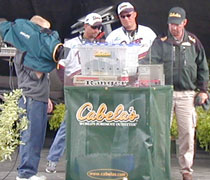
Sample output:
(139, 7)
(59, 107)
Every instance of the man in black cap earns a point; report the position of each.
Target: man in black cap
(186, 68)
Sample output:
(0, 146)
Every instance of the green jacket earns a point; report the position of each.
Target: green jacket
(185, 64)
(39, 44)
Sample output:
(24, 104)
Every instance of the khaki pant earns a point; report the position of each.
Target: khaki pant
(183, 107)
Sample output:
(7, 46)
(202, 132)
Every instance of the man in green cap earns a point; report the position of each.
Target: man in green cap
(186, 68)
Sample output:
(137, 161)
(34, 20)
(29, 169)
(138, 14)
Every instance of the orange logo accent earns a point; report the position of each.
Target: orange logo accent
(88, 114)
(175, 15)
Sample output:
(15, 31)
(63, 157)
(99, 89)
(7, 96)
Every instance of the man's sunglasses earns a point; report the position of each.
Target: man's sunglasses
(127, 15)
(96, 27)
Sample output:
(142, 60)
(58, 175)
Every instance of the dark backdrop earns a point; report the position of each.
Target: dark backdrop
(153, 13)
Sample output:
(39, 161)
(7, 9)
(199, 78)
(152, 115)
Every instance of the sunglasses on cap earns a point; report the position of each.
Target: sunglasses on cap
(97, 27)
(124, 16)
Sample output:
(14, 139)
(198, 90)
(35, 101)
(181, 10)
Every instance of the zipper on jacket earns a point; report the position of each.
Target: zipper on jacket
(180, 67)
(185, 62)
(174, 56)
(173, 62)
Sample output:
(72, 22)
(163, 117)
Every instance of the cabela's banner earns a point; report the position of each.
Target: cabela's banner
(118, 133)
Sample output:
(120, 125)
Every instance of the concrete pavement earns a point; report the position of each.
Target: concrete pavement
(201, 166)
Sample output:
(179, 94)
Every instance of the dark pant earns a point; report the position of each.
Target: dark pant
(33, 138)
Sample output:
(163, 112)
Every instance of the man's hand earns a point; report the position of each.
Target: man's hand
(39, 74)
(50, 106)
(203, 96)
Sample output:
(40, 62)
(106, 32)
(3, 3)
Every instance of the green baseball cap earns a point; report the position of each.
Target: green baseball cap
(176, 15)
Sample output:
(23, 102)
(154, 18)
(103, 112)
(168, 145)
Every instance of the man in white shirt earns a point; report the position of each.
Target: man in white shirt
(72, 66)
(130, 31)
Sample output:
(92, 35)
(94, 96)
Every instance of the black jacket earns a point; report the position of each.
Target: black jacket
(185, 64)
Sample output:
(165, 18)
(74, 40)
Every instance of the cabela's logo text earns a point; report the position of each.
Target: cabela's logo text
(107, 174)
(86, 115)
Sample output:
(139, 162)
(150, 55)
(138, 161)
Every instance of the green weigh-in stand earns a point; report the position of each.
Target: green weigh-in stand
(118, 133)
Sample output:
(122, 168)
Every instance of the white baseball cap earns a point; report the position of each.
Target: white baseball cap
(125, 7)
(93, 19)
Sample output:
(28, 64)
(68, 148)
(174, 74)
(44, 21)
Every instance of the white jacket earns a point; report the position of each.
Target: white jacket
(143, 35)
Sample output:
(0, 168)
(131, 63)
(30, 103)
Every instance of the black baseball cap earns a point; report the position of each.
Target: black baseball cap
(176, 15)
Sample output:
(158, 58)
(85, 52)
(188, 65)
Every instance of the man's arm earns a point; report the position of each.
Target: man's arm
(202, 69)
(154, 55)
